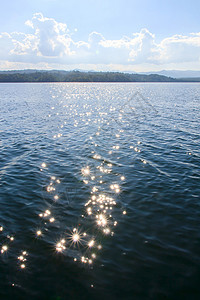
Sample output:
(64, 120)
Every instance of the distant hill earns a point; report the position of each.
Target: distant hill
(82, 76)
(176, 73)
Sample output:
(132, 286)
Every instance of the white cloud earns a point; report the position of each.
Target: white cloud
(143, 47)
(95, 38)
(50, 42)
(52, 38)
(6, 44)
(180, 48)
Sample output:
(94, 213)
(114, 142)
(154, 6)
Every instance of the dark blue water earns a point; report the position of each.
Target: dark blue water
(99, 191)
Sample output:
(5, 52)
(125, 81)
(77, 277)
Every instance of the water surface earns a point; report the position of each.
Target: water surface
(99, 191)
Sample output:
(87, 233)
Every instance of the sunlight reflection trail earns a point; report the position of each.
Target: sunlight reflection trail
(97, 219)
(99, 172)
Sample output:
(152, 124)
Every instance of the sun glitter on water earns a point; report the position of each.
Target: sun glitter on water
(85, 171)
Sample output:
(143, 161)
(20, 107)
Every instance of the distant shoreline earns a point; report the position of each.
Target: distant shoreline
(78, 76)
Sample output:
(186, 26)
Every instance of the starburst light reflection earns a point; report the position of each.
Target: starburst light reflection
(38, 233)
(85, 171)
(75, 237)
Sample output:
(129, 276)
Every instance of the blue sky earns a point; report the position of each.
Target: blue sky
(119, 35)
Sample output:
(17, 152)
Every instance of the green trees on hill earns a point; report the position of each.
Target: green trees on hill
(77, 76)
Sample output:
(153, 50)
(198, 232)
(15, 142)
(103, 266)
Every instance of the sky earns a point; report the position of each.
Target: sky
(100, 35)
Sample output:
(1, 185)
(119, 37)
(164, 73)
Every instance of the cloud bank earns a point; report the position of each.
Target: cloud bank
(50, 42)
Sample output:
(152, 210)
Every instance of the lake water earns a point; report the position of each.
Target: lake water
(100, 191)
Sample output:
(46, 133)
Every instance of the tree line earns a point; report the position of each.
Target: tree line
(77, 76)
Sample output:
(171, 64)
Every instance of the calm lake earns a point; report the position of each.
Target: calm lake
(100, 191)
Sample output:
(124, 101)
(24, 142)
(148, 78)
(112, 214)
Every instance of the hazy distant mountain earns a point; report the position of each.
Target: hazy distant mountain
(176, 73)
(30, 71)
(167, 73)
